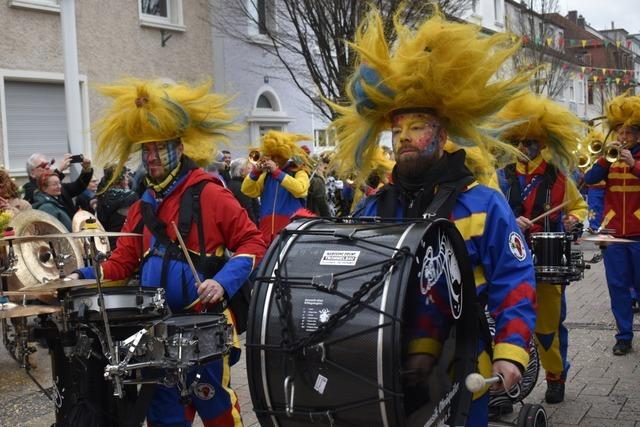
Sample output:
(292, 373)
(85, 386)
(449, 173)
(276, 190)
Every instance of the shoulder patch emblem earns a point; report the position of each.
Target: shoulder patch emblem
(516, 245)
(204, 391)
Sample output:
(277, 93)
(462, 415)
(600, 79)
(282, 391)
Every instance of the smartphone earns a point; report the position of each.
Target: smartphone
(76, 158)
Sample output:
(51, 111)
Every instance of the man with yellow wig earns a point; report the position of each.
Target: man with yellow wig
(175, 128)
(281, 179)
(437, 84)
(621, 212)
(548, 136)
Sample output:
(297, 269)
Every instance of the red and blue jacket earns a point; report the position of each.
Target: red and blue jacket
(226, 226)
(503, 271)
(622, 194)
(281, 194)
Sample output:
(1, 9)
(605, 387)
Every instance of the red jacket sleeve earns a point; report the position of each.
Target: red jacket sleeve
(127, 256)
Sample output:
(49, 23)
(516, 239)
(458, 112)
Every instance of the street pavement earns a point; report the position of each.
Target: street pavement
(602, 389)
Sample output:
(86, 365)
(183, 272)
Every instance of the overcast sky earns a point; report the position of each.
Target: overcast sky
(599, 13)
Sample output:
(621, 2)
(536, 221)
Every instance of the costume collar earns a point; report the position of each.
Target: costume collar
(535, 166)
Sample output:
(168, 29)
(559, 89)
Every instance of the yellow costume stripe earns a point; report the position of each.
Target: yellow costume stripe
(615, 175)
(253, 258)
(485, 368)
(513, 352)
(478, 275)
(226, 380)
(471, 226)
(425, 345)
(624, 188)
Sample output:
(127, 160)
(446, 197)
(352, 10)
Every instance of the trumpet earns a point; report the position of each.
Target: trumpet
(254, 156)
(612, 151)
(595, 147)
(584, 161)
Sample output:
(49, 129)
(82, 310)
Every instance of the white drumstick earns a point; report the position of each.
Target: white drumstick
(476, 382)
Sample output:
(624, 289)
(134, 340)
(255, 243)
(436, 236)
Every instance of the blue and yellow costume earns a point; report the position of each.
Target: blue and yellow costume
(622, 215)
(446, 70)
(282, 192)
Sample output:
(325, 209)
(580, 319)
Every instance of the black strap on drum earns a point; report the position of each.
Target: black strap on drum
(141, 406)
(514, 194)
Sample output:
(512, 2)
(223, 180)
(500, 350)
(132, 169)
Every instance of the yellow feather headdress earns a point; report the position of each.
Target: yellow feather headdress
(284, 144)
(152, 110)
(545, 121)
(443, 66)
(623, 110)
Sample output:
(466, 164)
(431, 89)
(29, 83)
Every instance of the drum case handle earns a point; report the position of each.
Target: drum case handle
(289, 394)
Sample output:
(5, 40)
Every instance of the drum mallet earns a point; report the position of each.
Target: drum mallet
(476, 382)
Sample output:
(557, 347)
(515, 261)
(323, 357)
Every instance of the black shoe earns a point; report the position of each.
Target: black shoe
(622, 347)
(635, 307)
(555, 392)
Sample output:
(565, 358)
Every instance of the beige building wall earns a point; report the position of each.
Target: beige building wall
(111, 44)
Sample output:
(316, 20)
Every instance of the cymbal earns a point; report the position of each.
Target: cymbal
(58, 284)
(91, 233)
(79, 223)
(36, 263)
(605, 239)
(28, 293)
(10, 310)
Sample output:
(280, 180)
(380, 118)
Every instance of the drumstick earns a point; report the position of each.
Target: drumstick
(185, 251)
(550, 211)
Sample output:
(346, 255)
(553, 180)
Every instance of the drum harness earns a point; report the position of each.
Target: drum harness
(312, 344)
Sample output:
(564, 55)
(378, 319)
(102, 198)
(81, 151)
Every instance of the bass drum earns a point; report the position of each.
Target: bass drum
(326, 339)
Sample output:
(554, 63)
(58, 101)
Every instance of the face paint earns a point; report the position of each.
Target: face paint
(415, 135)
(160, 158)
(530, 148)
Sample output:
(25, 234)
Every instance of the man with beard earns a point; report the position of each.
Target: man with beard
(548, 136)
(174, 127)
(436, 84)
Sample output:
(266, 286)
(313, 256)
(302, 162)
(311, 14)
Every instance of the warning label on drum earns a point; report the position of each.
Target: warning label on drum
(321, 383)
(312, 309)
(339, 257)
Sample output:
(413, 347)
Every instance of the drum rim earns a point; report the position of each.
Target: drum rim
(112, 290)
(550, 234)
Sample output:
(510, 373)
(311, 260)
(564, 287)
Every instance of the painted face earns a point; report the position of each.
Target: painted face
(159, 158)
(415, 135)
(530, 148)
(53, 186)
(628, 134)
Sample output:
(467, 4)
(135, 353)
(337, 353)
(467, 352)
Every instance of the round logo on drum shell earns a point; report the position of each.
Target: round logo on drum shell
(516, 245)
(204, 391)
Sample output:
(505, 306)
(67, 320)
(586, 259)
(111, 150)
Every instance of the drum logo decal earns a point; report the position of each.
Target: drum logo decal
(516, 245)
(434, 266)
(339, 257)
(324, 315)
(204, 391)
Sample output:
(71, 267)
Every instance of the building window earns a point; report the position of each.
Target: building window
(45, 5)
(590, 94)
(264, 102)
(323, 138)
(498, 11)
(166, 14)
(572, 91)
(262, 18)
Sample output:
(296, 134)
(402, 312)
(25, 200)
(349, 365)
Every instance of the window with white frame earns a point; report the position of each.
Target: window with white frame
(262, 18)
(323, 138)
(46, 5)
(165, 14)
(498, 11)
(572, 90)
(35, 121)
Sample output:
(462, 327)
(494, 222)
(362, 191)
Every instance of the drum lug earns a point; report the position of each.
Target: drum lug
(289, 394)
(325, 282)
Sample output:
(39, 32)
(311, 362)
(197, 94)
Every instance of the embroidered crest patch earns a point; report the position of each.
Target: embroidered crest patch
(516, 245)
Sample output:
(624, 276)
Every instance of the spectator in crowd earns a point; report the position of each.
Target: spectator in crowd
(10, 200)
(37, 165)
(238, 170)
(48, 198)
(114, 199)
(226, 165)
(217, 167)
(87, 200)
(317, 199)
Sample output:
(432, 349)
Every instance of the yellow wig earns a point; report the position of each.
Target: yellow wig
(442, 66)
(547, 122)
(623, 110)
(284, 144)
(151, 110)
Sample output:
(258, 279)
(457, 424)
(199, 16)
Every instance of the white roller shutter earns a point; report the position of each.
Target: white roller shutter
(36, 121)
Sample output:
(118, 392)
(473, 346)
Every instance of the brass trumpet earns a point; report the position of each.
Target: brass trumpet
(612, 151)
(595, 147)
(254, 156)
(584, 161)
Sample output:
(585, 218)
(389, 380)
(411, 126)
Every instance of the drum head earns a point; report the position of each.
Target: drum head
(338, 299)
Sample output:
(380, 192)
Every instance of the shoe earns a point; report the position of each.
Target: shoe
(555, 392)
(622, 347)
(635, 307)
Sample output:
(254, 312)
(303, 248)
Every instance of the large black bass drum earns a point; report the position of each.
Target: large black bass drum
(327, 334)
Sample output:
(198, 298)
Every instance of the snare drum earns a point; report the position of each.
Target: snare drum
(123, 304)
(553, 258)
